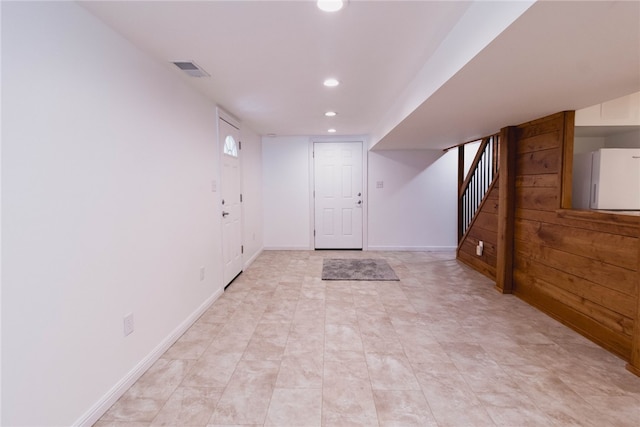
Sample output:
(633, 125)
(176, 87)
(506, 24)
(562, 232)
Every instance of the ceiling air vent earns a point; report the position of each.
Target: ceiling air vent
(191, 68)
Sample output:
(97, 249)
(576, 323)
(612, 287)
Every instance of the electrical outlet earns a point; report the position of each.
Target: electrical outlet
(128, 324)
(201, 274)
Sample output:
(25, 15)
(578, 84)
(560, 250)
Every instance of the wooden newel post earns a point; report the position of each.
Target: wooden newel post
(506, 210)
(460, 181)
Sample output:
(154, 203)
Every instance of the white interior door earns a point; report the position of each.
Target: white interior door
(338, 195)
(231, 199)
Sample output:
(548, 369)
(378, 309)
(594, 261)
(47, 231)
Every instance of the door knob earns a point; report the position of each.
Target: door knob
(359, 202)
(224, 214)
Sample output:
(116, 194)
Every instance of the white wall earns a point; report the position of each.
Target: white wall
(629, 139)
(587, 144)
(415, 210)
(618, 139)
(107, 209)
(623, 111)
(285, 187)
(251, 158)
(417, 207)
(470, 152)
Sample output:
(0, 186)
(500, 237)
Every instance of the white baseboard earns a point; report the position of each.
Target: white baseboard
(288, 248)
(374, 248)
(100, 407)
(413, 248)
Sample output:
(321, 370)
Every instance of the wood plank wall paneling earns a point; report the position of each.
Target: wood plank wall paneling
(607, 223)
(581, 291)
(538, 181)
(538, 162)
(580, 267)
(585, 269)
(540, 198)
(483, 228)
(581, 270)
(543, 141)
(541, 296)
(610, 248)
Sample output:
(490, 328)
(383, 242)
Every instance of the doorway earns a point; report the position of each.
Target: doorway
(338, 195)
(229, 137)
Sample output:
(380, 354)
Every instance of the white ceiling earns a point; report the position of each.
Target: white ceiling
(267, 61)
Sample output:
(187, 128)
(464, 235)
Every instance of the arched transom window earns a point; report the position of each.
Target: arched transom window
(230, 146)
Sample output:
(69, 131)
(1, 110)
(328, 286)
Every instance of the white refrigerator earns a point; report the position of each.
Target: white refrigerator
(608, 178)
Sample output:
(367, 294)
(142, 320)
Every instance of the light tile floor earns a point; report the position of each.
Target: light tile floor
(440, 347)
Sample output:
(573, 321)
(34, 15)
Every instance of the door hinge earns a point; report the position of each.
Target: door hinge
(241, 249)
(314, 233)
(313, 154)
(240, 198)
(239, 145)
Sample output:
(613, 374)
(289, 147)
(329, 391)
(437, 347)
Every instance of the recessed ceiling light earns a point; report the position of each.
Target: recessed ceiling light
(330, 114)
(331, 82)
(331, 130)
(330, 5)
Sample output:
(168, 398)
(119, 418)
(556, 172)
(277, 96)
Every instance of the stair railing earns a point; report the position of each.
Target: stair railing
(475, 186)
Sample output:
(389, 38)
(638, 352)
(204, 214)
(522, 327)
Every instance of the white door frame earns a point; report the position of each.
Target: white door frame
(365, 186)
(223, 115)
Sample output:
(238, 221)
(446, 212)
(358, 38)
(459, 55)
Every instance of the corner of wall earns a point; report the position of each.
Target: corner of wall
(111, 397)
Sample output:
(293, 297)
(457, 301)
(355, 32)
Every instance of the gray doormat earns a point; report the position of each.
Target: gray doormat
(357, 269)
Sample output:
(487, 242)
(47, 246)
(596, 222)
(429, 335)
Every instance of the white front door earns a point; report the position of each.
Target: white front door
(229, 137)
(338, 195)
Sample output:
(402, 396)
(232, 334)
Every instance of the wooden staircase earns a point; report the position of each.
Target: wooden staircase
(478, 207)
